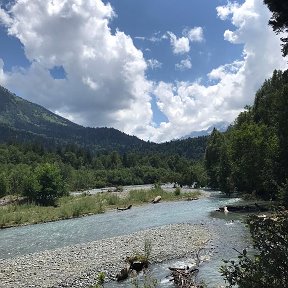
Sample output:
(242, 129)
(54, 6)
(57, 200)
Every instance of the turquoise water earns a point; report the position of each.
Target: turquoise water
(228, 234)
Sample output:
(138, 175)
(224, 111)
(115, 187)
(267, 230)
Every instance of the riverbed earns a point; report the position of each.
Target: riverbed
(224, 235)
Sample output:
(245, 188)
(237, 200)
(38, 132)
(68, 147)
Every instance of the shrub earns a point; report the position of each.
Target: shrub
(269, 267)
(3, 185)
(45, 185)
(177, 191)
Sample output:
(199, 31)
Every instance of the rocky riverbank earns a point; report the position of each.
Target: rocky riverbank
(79, 265)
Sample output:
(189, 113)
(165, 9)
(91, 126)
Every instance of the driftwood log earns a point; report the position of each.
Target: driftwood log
(186, 277)
(192, 199)
(125, 208)
(156, 199)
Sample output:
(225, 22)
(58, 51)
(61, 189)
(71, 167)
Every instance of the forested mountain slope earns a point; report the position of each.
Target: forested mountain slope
(23, 121)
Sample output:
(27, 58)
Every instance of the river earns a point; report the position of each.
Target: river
(228, 233)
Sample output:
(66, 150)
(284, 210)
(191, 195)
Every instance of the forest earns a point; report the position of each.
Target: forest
(252, 155)
(81, 169)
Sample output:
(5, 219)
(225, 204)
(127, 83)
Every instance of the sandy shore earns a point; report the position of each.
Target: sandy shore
(79, 265)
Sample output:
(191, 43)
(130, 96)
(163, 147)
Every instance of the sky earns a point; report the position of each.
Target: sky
(155, 69)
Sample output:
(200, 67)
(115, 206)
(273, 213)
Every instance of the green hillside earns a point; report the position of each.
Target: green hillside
(23, 121)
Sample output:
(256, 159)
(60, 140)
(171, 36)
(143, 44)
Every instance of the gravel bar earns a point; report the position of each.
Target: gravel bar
(79, 265)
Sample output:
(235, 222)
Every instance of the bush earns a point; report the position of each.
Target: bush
(177, 191)
(3, 185)
(283, 193)
(269, 267)
(45, 185)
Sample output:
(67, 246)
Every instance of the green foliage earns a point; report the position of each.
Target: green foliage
(177, 191)
(268, 268)
(78, 171)
(100, 280)
(142, 257)
(213, 156)
(279, 20)
(252, 156)
(45, 185)
(283, 193)
(3, 185)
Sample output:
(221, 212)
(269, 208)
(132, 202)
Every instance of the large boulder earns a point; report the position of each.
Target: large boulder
(156, 199)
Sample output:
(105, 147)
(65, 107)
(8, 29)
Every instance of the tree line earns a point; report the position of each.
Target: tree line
(24, 166)
(252, 156)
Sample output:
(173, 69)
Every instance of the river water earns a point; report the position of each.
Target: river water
(228, 232)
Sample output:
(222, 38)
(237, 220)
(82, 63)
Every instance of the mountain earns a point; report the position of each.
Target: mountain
(220, 126)
(21, 120)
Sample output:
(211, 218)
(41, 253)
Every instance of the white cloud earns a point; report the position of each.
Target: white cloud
(156, 37)
(195, 34)
(2, 75)
(154, 64)
(105, 74)
(105, 81)
(140, 38)
(179, 45)
(191, 106)
(224, 11)
(221, 72)
(184, 64)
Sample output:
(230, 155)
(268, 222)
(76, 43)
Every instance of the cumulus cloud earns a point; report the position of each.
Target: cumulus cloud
(184, 64)
(195, 34)
(191, 106)
(179, 45)
(154, 64)
(224, 11)
(105, 81)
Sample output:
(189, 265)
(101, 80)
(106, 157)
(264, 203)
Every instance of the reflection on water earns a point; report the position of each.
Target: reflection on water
(229, 232)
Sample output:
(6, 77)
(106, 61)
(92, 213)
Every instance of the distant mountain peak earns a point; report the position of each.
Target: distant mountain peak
(220, 126)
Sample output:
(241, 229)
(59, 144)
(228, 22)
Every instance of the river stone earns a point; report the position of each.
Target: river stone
(79, 265)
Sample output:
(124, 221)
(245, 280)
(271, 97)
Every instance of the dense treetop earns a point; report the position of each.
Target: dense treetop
(279, 20)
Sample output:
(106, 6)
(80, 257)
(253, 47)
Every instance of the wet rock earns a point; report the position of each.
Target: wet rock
(124, 273)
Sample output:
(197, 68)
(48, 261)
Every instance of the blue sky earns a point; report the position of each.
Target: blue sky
(155, 69)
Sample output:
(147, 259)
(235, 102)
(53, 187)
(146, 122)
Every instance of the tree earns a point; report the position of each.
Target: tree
(253, 148)
(224, 178)
(213, 156)
(3, 185)
(45, 185)
(279, 20)
(268, 268)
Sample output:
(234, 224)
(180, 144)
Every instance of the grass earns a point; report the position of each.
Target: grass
(77, 206)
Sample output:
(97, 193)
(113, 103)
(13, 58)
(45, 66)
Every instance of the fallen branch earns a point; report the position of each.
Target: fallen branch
(186, 277)
(125, 208)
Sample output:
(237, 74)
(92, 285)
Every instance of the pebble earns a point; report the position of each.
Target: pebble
(78, 265)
